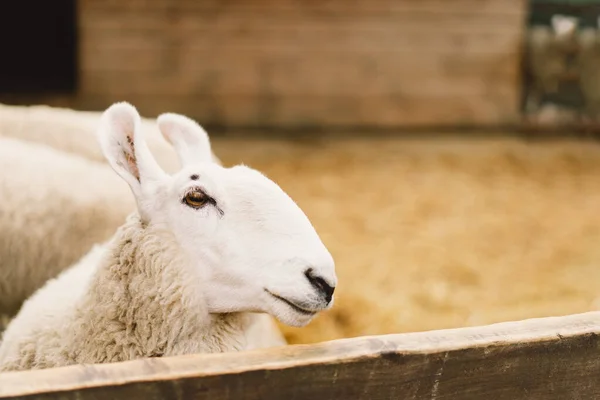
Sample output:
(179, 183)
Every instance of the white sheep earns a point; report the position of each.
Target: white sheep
(54, 207)
(208, 247)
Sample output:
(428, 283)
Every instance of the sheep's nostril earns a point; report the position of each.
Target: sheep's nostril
(320, 284)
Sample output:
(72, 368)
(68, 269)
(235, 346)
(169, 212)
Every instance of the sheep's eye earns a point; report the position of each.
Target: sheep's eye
(196, 199)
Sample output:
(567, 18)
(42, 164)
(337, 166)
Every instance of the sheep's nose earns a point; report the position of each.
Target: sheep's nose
(324, 288)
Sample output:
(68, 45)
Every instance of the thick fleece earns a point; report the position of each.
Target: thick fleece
(134, 297)
(54, 207)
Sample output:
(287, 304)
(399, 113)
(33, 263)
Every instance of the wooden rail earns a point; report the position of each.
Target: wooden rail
(548, 358)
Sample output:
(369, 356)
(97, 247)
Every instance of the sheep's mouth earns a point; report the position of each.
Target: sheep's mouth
(292, 305)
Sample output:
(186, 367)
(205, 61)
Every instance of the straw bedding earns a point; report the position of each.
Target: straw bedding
(431, 234)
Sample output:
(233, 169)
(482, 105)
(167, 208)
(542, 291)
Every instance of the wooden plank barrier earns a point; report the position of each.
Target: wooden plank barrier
(546, 358)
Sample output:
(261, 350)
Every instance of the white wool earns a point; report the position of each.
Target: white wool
(54, 207)
(84, 315)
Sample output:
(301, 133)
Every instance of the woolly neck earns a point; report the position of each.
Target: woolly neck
(145, 300)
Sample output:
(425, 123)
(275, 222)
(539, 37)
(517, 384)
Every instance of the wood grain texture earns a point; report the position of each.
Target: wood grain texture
(372, 63)
(550, 358)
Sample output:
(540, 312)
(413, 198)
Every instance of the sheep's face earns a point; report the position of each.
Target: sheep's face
(256, 249)
(252, 245)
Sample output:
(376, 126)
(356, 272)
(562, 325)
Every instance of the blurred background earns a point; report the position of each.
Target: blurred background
(445, 150)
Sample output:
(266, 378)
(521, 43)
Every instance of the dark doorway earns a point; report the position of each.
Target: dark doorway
(38, 46)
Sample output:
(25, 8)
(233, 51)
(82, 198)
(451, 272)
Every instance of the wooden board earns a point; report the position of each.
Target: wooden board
(550, 358)
(289, 64)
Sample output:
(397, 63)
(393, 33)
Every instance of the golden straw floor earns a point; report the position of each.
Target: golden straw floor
(443, 233)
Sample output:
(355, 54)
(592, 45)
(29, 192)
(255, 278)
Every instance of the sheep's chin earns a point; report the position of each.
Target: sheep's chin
(296, 321)
(288, 316)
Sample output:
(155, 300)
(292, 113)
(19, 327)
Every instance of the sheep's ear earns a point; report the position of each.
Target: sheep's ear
(190, 141)
(123, 145)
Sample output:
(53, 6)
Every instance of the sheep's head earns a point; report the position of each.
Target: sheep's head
(255, 248)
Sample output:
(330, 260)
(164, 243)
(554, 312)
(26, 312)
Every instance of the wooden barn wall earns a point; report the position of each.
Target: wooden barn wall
(303, 63)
